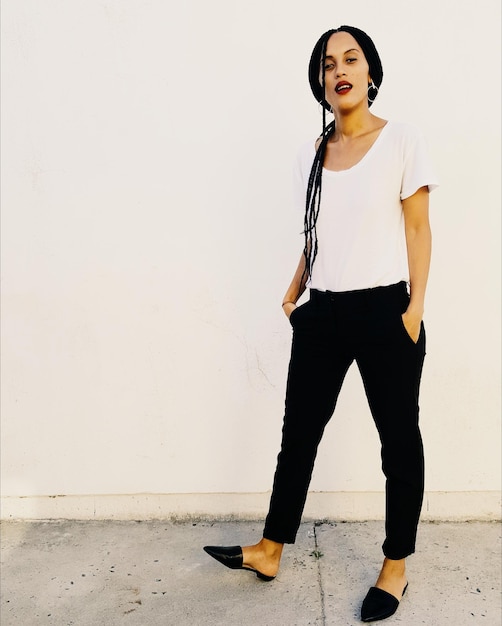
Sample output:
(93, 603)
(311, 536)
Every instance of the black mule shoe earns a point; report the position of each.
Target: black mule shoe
(379, 604)
(231, 556)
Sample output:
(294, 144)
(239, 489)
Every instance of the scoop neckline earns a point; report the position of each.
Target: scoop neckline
(362, 159)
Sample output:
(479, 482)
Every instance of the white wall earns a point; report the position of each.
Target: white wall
(148, 238)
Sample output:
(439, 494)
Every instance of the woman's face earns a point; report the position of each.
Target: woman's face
(346, 73)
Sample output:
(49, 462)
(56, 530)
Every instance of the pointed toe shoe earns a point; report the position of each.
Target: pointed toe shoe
(379, 604)
(231, 556)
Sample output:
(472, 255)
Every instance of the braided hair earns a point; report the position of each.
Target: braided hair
(317, 84)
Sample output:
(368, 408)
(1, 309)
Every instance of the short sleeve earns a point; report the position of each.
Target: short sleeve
(417, 167)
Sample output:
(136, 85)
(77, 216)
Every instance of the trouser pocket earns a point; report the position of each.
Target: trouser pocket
(407, 334)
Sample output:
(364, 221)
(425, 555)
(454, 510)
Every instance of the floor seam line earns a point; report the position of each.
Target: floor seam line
(318, 555)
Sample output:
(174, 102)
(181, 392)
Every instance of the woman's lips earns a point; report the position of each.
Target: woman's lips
(343, 87)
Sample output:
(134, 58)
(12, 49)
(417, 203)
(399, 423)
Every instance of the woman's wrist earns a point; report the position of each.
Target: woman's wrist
(288, 306)
(415, 309)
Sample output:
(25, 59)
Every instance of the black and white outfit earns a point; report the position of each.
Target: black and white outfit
(358, 292)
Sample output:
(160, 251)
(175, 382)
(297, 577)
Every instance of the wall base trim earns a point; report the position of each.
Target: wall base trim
(336, 506)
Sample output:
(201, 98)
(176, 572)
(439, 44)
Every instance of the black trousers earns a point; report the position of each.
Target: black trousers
(330, 331)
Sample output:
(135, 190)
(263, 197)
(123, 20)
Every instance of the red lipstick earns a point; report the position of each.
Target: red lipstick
(343, 87)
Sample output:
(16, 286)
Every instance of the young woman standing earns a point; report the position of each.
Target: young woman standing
(365, 184)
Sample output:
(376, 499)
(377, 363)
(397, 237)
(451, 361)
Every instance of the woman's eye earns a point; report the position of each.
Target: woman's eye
(351, 60)
(329, 66)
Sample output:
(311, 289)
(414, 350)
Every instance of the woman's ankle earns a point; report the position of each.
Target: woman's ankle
(272, 549)
(394, 566)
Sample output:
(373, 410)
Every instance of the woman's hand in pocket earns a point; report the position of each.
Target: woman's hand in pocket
(288, 308)
(412, 324)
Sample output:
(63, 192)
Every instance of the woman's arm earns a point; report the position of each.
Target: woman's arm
(418, 243)
(296, 288)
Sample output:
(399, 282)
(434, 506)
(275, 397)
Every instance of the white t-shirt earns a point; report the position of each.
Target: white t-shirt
(360, 227)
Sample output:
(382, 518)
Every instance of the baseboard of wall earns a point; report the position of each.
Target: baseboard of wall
(336, 506)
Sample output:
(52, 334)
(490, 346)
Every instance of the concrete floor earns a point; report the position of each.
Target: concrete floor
(64, 573)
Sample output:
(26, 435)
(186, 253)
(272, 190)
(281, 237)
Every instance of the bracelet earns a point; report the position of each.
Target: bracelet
(288, 302)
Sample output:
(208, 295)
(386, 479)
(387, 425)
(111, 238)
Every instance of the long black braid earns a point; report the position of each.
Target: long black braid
(317, 83)
(313, 201)
(314, 187)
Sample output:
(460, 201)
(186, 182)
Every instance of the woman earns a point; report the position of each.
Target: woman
(367, 235)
